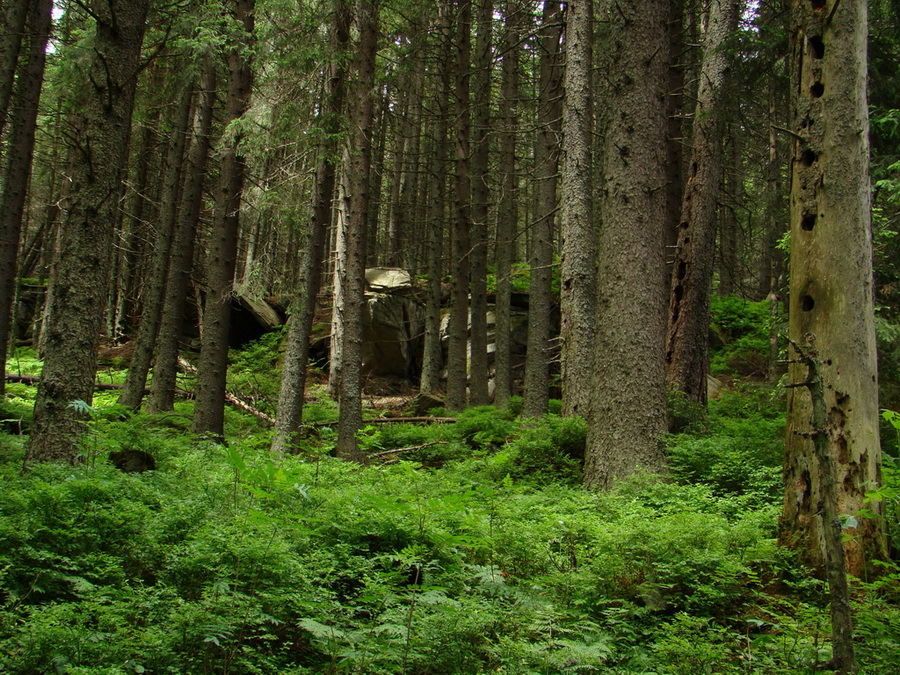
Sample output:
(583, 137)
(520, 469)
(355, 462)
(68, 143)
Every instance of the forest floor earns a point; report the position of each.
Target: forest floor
(462, 547)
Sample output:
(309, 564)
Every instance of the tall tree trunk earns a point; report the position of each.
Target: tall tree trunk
(395, 238)
(212, 366)
(99, 138)
(126, 275)
(831, 282)
(408, 214)
(17, 167)
(579, 250)
(165, 367)
(628, 415)
(155, 286)
(339, 254)
(384, 113)
(14, 15)
(687, 342)
(675, 104)
(457, 367)
(293, 376)
(358, 159)
(481, 119)
(546, 160)
(508, 203)
(432, 359)
(728, 226)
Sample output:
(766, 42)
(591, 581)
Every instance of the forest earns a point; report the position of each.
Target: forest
(450, 336)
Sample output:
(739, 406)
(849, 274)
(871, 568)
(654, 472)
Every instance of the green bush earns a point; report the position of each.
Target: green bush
(741, 452)
(742, 330)
(483, 555)
(485, 427)
(550, 447)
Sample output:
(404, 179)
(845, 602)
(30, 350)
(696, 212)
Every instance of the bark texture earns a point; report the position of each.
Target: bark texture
(155, 285)
(579, 249)
(687, 342)
(293, 375)
(481, 119)
(432, 359)
(358, 159)
(508, 201)
(98, 136)
(17, 166)
(212, 366)
(165, 367)
(457, 366)
(13, 15)
(546, 160)
(628, 414)
(831, 298)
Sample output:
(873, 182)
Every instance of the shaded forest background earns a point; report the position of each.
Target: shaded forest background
(494, 252)
(235, 189)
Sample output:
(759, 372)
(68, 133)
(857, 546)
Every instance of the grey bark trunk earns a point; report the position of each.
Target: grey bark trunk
(432, 360)
(154, 294)
(678, 53)
(339, 253)
(358, 159)
(481, 119)
(628, 415)
(457, 366)
(126, 277)
(546, 160)
(212, 366)
(579, 248)
(165, 368)
(99, 135)
(289, 419)
(14, 15)
(17, 167)
(508, 202)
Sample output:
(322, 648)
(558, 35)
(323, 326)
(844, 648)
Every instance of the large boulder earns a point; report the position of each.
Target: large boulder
(392, 325)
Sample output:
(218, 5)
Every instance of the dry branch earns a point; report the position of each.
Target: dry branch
(401, 420)
(397, 451)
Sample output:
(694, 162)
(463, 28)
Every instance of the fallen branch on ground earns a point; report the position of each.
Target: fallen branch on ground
(397, 451)
(390, 420)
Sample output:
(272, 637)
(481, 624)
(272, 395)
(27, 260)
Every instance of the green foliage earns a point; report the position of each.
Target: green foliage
(485, 427)
(741, 453)
(684, 415)
(520, 279)
(253, 371)
(888, 341)
(742, 331)
(887, 495)
(550, 448)
(480, 556)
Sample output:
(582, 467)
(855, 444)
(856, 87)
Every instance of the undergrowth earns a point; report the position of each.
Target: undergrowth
(466, 547)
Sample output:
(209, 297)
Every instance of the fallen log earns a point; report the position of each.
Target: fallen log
(397, 451)
(230, 398)
(391, 420)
